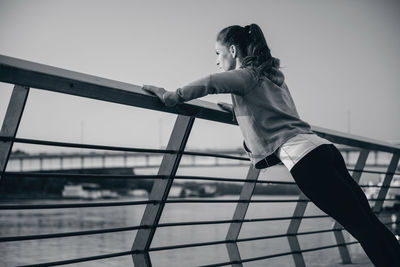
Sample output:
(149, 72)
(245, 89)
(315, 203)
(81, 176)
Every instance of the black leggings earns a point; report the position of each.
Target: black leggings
(323, 177)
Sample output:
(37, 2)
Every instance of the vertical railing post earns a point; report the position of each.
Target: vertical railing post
(386, 182)
(11, 122)
(240, 213)
(343, 250)
(160, 190)
(293, 228)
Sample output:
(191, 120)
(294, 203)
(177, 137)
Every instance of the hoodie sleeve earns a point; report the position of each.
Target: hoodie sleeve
(235, 82)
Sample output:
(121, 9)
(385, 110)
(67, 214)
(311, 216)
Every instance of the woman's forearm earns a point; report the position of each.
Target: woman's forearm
(234, 82)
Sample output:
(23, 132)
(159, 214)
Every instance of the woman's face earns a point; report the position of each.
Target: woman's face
(225, 58)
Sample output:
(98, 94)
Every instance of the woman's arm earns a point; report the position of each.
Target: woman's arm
(234, 81)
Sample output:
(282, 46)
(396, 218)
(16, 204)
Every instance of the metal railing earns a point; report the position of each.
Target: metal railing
(25, 75)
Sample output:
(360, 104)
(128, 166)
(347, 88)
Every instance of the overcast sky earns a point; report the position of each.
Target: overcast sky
(340, 58)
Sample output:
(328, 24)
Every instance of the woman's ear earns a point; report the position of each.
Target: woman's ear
(233, 51)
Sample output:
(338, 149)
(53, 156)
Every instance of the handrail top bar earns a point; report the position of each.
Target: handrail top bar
(40, 76)
(356, 140)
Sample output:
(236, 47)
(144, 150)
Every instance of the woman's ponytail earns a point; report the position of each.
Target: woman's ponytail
(251, 42)
(258, 52)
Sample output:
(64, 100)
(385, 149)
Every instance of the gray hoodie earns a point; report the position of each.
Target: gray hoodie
(263, 107)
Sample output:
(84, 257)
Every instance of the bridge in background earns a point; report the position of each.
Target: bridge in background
(66, 161)
(26, 75)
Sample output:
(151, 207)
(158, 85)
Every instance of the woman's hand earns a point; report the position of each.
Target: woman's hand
(158, 91)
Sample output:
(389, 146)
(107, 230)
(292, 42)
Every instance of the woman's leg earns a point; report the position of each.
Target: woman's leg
(323, 177)
(386, 237)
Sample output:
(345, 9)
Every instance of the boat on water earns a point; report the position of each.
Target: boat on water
(138, 193)
(182, 191)
(87, 191)
(208, 191)
(105, 193)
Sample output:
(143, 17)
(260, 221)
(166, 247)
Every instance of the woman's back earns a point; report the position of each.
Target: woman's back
(266, 113)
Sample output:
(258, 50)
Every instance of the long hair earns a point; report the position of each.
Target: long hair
(251, 43)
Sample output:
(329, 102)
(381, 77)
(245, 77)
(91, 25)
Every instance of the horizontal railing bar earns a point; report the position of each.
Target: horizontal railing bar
(70, 234)
(188, 177)
(73, 155)
(281, 235)
(204, 154)
(88, 146)
(117, 148)
(236, 201)
(244, 220)
(133, 203)
(84, 259)
(379, 186)
(74, 205)
(330, 246)
(123, 176)
(200, 244)
(83, 175)
(383, 199)
(239, 221)
(320, 231)
(262, 237)
(372, 171)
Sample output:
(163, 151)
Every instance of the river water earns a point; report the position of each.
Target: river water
(45, 221)
(29, 222)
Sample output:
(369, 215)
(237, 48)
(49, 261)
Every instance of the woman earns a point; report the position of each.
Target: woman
(273, 133)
